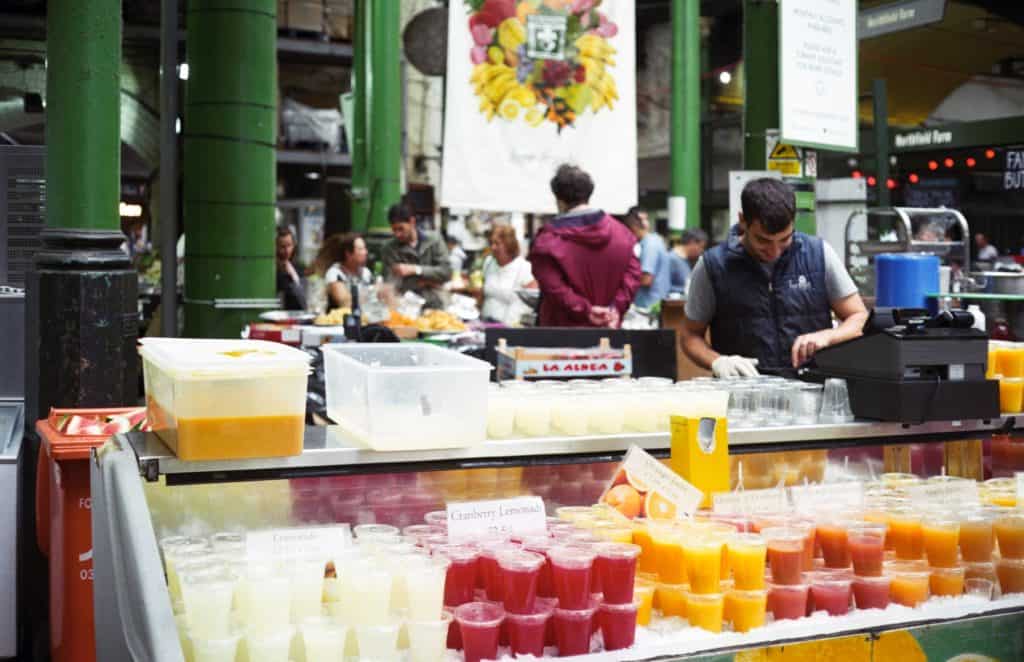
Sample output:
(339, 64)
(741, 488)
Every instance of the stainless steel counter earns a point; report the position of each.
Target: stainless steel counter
(328, 450)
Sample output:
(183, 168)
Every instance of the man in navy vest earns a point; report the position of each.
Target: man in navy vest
(768, 293)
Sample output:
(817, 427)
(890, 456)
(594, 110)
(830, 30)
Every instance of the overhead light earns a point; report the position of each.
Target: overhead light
(872, 181)
(948, 162)
(990, 153)
(312, 174)
(177, 125)
(890, 183)
(128, 210)
(933, 165)
(893, 160)
(856, 174)
(971, 162)
(852, 162)
(914, 178)
(183, 71)
(725, 78)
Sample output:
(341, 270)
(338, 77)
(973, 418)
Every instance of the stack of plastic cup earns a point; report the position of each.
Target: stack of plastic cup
(940, 538)
(909, 582)
(746, 603)
(1009, 529)
(867, 551)
(705, 602)
(615, 567)
(787, 593)
(480, 628)
(831, 591)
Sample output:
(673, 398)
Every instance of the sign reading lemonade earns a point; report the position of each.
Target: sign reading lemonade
(644, 487)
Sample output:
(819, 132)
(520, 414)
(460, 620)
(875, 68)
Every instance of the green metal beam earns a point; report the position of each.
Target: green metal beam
(357, 141)
(880, 105)
(384, 104)
(230, 129)
(761, 85)
(686, 107)
(83, 92)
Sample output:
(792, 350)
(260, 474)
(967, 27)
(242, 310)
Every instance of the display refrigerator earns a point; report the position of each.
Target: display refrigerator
(142, 493)
(11, 428)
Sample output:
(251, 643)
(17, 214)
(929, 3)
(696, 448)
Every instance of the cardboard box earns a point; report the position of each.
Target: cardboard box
(306, 15)
(339, 19)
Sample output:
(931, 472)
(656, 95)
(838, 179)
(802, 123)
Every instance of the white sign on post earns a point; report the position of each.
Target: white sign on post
(472, 519)
(818, 73)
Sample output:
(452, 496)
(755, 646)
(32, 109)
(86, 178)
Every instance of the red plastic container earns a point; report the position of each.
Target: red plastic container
(867, 550)
(785, 554)
(490, 572)
(788, 601)
(615, 567)
(571, 568)
(835, 546)
(831, 592)
(618, 625)
(573, 628)
(871, 592)
(527, 633)
(520, 571)
(460, 582)
(480, 626)
(541, 545)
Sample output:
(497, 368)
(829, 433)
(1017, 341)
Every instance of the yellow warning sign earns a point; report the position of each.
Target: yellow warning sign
(785, 159)
(783, 151)
(788, 168)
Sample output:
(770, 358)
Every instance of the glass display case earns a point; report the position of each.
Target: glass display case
(142, 494)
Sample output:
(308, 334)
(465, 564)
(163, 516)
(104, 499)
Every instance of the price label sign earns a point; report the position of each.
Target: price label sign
(958, 492)
(518, 517)
(750, 501)
(321, 541)
(808, 498)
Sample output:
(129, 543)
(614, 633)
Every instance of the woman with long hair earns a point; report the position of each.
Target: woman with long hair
(342, 261)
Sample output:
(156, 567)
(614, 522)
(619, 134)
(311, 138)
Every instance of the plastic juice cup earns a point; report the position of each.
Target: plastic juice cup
(571, 568)
(747, 555)
(977, 537)
(705, 610)
(418, 532)
(1011, 575)
(1009, 530)
(671, 599)
(642, 536)
(180, 555)
(214, 649)
(207, 592)
(228, 543)
(1009, 361)
(909, 586)
(907, 538)
(704, 564)
(746, 609)
(618, 625)
(668, 553)
(981, 571)
(615, 567)
(323, 641)
(871, 592)
(613, 532)
(573, 513)
(785, 554)
(269, 645)
(375, 531)
(307, 589)
(527, 632)
(573, 628)
(810, 532)
(835, 545)
(460, 580)
(480, 628)
(1011, 394)
(427, 639)
(378, 643)
(831, 591)
(867, 548)
(520, 571)
(367, 591)
(541, 545)
(940, 536)
(788, 601)
(946, 581)
(643, 595)
(424, 586)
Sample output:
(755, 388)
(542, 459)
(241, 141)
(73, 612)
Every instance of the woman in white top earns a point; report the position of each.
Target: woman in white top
(505, 271)
(342, 261)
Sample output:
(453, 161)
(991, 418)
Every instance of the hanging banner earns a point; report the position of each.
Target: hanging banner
(533, 84)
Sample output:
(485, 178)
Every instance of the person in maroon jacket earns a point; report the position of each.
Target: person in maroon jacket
(583, 259)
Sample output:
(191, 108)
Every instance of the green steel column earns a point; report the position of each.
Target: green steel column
(83, 129)
(229, 162)
(357, 144)
(880, 105)
(384, 114)
(761, 84)
(686, 108)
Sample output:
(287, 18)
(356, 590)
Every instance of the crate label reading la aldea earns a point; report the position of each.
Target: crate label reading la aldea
(519, 517)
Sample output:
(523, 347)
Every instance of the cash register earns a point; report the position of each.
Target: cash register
(912, 367)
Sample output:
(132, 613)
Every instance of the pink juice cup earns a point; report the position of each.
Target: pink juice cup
(541, 545)
(571, 568)
(618, 625)
(489, 570)
(527, 633)
(615, 567)
(831, 591)
(520, 572)
(867, 548)
(788, 601)
(460, 581)
(573, 628)
(480, 627)
(871, 592)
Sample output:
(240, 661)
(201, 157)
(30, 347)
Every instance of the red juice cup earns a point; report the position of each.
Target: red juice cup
(871, 592)
(831, 591)
(615, 567)
(618, 625)
(867, 548)
(527, 633)
(480, 626)
(454, 632)
(460, 581)
(785, 553)
(541, 545)
(788, 601)
(520, 571)
(490, 571)
(573, 628)
(571, 568)
(835, 545)
(548, 604)
(810, 531)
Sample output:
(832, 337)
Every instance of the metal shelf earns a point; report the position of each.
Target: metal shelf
(331, 451)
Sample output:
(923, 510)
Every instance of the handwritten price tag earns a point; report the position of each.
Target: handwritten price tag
(808, 498)
(958, 492)
(750, 501)
(471, 520)
(312, 541)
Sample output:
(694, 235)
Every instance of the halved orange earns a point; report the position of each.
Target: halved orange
(658, 507)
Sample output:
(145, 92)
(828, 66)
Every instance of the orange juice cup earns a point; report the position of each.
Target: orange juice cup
(1011, 394)
(704, 564)
(746, 609)
(747, 552)
(668, 553)
(977, 537)
(1009, 529)
(1011, 575)
(905, 531)
(947, 581)
(909, 582)
(642, 536)
(785, 554)
(835, 545)
(941, 539)
(643, 595)
(1009, 361)
(671, 599)
(810, 532)
(705, 610)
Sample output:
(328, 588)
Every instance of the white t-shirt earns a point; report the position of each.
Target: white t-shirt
(335, 273)
(501, 303)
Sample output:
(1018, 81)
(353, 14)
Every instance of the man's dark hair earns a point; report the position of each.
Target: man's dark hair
(400, 212)
(571, 185)
(632, 218)
(769, 202)
(693, 235)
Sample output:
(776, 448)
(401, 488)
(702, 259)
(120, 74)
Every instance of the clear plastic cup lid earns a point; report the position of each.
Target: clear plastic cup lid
(784, 533)
(739, 540)
(375, 530)
(579, 614)
(625, 608)
(572, 556)
(617, 550)
(480, 613)
(457, 553)
(492, 548)
(538, 543)
(521, 560)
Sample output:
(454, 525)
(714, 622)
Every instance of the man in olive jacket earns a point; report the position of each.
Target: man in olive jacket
(417, 261)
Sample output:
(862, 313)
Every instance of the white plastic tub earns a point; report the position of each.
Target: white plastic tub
(226, 399)
(407, 396)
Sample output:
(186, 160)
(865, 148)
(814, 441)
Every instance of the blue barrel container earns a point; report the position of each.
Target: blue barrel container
(903, 279)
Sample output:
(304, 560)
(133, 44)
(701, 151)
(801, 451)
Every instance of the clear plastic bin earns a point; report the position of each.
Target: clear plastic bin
(226, 399)
(407, 396)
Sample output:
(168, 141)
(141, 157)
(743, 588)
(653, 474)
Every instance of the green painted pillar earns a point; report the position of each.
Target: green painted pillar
(684, 187)
(880, 106)
(357, 142)
(83, 127)
(230, 129)
(384, 111)
(761, 84)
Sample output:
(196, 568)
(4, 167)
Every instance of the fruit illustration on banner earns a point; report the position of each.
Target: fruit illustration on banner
(633, 498)
(541, 60)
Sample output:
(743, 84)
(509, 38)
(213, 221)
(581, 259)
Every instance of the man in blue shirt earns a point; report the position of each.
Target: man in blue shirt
(683, 257)
(656, 279)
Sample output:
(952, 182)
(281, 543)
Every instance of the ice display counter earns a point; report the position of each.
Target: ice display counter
(142, 492)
